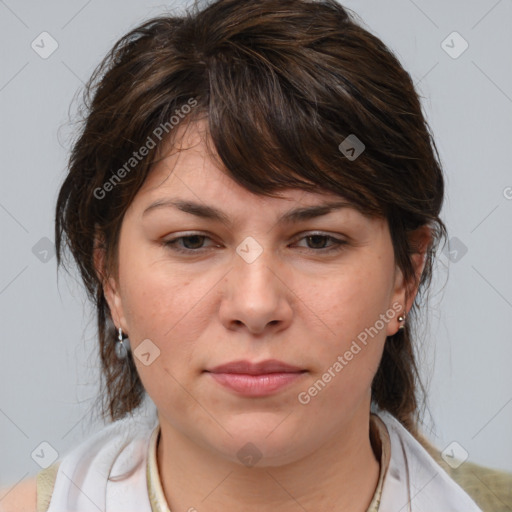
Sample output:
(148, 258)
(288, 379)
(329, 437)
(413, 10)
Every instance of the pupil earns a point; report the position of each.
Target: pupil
(193, 237)
(319, 238)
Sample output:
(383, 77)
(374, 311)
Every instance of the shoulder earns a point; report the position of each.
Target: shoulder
(413, 472)
(116, 448)
(20, 498)
(490, 488)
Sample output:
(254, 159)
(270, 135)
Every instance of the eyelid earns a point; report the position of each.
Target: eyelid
(305, 234)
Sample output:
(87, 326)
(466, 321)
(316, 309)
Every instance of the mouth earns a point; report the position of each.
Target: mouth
(256, 379)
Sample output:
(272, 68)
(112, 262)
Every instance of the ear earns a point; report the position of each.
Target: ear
(109, 283)
(405, 292)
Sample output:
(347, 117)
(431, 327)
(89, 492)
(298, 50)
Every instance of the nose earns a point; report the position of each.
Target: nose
(256, 296)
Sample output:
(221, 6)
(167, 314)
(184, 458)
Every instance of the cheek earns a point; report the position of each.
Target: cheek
(353, 299)
(351, 306)
(164, 305)
(166, 309)
(156, 303)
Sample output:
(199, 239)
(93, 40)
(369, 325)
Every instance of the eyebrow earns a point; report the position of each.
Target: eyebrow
(210, 212)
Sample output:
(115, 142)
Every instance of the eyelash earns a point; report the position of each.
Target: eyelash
(171, 244)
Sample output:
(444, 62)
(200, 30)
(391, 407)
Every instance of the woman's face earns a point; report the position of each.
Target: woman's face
(252, 287)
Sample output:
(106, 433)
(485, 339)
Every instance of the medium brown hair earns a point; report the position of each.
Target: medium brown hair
(281, 83)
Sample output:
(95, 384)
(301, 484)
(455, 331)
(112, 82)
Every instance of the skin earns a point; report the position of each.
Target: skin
(296, 303)
(20, 498)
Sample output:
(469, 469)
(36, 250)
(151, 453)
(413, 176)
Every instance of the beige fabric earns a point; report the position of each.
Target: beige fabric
(380, 442)
(491, 489)
(45, 482)
(382, 447)
(155, 491)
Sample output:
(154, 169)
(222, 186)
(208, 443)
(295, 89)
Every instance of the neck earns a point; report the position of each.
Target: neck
(342, 475)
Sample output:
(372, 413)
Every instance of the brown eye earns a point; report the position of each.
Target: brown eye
(317, 242)
(187, 244)
(193, 242)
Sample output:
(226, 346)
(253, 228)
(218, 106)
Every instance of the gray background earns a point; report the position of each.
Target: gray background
(48, 364)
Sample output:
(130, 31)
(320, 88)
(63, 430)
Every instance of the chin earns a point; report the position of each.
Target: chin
(261, 442)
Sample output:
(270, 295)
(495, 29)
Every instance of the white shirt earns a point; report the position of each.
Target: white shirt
(107, 472)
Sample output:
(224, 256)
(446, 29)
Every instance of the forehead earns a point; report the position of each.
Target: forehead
(186, 168)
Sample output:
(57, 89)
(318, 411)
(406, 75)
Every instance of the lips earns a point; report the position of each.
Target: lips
(248, 368)
(256, 379)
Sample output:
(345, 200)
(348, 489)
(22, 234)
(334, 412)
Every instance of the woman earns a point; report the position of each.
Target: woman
(253, 202)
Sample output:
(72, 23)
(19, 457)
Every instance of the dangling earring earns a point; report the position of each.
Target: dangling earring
(122, 346)
(402, 318)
